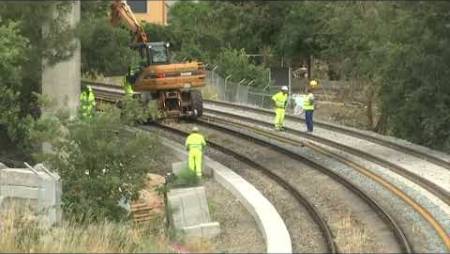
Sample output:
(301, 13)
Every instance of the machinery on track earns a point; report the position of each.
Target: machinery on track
(154, 77)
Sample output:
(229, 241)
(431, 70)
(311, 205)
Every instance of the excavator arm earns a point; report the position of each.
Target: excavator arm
(121, 11)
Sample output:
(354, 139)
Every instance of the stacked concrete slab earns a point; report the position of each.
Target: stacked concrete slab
(36, 187)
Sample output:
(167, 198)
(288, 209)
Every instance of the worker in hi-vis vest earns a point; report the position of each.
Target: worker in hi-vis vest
(87, 103)
(280, 100)
(127, 88)
(195, 143)
(308, 105)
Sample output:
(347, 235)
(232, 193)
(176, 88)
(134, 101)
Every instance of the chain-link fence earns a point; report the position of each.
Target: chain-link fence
(242, 92)
(248, 93)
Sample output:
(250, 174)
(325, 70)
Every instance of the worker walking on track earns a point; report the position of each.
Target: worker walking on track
(195, 143)
(87, 103)
(280, 100)
(308, 105)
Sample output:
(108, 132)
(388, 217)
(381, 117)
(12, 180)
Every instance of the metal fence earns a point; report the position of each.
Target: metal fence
(242, 92)
(260, 96)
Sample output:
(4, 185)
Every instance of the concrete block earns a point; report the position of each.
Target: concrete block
(23, 192)
(204, 230)
(189, 206)
(19, 176)
(35, 185)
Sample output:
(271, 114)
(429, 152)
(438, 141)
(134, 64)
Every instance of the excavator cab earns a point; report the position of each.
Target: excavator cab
(150, 53)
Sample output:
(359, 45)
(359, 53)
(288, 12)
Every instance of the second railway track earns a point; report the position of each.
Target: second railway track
(400, 236)
(420, 209)
(334, 180)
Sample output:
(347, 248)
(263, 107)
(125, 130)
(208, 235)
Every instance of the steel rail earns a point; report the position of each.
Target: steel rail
(428, 157)
(311, 209)
(438, 191)
(380, 180)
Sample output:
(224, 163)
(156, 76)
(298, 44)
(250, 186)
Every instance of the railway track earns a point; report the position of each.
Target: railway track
(397, 232)
(432, 187)
(442, 193)
(270, 135)
(445, 163)
(311, 209)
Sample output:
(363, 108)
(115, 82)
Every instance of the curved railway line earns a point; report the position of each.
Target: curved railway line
(440, 230)
(403, 244)
(443, 194)
(312, 211)
(240, 126)
(445, 163)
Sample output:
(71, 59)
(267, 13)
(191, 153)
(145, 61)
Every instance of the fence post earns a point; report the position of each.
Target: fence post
(225, 91)
(238, 89)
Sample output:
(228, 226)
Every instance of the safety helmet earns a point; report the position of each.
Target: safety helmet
(313, 84)
(284, 88)
(195, 129)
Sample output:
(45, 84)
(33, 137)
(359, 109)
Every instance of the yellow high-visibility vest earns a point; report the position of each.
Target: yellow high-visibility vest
(280, 99)
(308, 102)
(128, 89)
(195, 141)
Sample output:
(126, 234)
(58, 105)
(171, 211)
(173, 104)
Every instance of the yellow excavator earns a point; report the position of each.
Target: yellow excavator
(155, 77)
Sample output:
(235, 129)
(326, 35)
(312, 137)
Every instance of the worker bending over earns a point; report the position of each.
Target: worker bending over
(280, 100)
(195, 143)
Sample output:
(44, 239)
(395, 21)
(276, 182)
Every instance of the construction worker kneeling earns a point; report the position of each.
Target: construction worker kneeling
(195, 143)
(280, 101)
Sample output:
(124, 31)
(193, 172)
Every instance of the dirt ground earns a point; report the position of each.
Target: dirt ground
(239, 231)
(340, 113)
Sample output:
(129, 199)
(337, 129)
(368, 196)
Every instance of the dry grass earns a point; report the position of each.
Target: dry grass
(21, 232)
(339, 113)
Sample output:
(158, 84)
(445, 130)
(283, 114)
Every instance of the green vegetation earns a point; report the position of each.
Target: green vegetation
(395, 51)
(23, 48)
(185, 178)
(101, 160)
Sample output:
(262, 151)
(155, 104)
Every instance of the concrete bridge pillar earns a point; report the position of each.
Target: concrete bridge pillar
(61, 82)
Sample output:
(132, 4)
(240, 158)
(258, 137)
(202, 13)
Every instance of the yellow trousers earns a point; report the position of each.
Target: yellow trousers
(196, 161)
(279, 117)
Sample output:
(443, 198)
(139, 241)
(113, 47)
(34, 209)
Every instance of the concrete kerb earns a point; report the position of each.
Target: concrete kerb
(268, 219)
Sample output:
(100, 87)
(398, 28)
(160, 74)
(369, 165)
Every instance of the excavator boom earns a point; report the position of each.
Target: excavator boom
(121, 11)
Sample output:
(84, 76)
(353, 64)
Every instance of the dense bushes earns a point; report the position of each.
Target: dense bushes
(101, 161)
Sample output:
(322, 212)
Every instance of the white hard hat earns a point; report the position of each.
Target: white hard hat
(284, 88)
(195, 129)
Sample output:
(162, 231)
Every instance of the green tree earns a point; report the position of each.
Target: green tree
(13, 47)
(25, 42)
(104, 48)
(101, 161)
(237, 64)
(415, 91)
